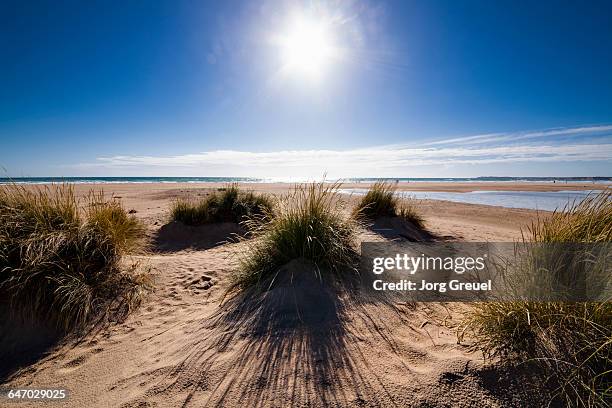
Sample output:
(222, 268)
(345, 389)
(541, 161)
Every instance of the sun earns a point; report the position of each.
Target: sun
(307, 47)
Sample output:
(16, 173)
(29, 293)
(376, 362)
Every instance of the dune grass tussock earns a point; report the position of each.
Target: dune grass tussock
(571, 340)
(60, 258)
(230, 204)
(408, 212)
(588, 221)
(381, 201)
(307, 224)
(111, 220)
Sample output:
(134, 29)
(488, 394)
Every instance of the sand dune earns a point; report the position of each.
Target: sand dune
(184, 347)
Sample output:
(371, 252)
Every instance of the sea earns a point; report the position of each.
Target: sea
(101, 180)
(533, 200)
(536, 200)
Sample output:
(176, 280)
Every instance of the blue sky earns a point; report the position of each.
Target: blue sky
(413, 88)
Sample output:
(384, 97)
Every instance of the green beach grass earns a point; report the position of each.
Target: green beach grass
(572, 341)
(308, 224)
(60, 259)
(229, 204)
(381, 201)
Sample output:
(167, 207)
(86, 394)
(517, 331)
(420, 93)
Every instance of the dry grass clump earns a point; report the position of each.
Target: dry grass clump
(229, 204)
(307, 224)
(588, 221)
(408, 212)
(61, 263)
(571, 340)
(381, 201)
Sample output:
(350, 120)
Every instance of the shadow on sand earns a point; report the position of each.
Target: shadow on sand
(26, 340)
(292, 345)
(176, 236)
(397, 228)
(23, 344)
(307, 342)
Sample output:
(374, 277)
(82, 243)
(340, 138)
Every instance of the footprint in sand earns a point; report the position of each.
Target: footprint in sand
(203, 282)
(75, 362)
(78, 361)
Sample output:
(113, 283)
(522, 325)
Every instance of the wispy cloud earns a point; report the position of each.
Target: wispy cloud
(502, 149)
(373, 158)
(600, 130)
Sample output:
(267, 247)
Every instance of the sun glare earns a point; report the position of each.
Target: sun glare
(307, 47)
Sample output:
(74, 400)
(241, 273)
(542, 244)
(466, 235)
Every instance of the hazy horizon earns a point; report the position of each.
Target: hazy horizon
(288, 179)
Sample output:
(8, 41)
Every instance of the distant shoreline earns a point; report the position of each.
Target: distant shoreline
(418, 182)
(282, 187)
(527, 195)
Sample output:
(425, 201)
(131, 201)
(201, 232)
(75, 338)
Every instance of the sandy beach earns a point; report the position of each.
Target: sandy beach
(292, 203)
(459, 187)
(456, 221)
(184, 348)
